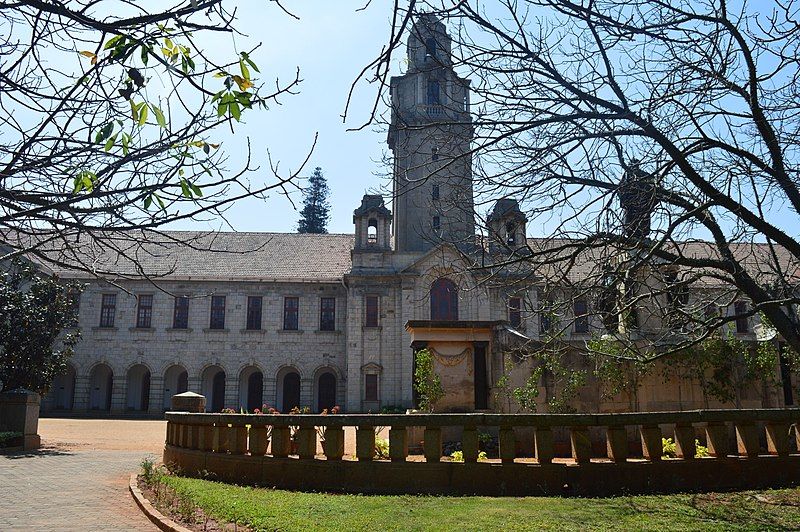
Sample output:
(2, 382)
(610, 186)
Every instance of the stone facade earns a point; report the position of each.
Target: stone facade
(381, 281)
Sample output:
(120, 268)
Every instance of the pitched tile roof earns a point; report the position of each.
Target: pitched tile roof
(208, 255)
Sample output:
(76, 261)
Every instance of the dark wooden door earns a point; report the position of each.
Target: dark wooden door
(326, 391)
(218, 392)
(291, 391)
(255, 391)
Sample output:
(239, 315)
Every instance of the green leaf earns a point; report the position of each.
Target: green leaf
(222, 109)
(181, 172)
(160, 201)
(142, 115)
(148, 201)
(85, 180)
(244, 69)
(145, 54)
(234, 110)
(159, 116)
(250, 62)
(187, 192)
(221, 74)
(134, 111)
(110, 143)
(168, 42)
(112, 42)
(125, 142)
(196, 190)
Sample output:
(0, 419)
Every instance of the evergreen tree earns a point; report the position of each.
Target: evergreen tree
(316, 209)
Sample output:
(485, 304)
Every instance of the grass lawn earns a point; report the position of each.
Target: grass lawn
(267, 509)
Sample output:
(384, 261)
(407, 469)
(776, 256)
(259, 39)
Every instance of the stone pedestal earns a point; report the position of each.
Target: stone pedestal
(19, 412)
(189, 402)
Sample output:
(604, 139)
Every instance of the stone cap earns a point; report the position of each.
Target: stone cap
(189, 402)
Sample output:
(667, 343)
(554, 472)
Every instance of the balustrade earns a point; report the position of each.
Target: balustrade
(524, 440)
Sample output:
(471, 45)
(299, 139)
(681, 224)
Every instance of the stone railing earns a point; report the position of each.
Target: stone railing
(606, 453)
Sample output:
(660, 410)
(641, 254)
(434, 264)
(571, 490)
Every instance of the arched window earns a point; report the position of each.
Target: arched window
(372, 231)
(430, 47)
(444, 300)
(511, 234)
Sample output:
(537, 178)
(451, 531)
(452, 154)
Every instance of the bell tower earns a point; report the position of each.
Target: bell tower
(430, 135)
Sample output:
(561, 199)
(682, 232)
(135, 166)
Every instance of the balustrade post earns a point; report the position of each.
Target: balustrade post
(469, 444)
(747, 439)
(581, 444)
(797, 435)
(237, 439)
(617, 443)
(432, 444)
(508, 445)
(307, 442)
(684, 441)
(717, 439)
(333, 446)
(179, 435)
(544, 445)
(206, 440)
(398, 444)
(170, 440)
(258, 441)
(651, 442)
(365, 443)
(778, 438)
(281, 441)
(220, 440)
(193, 437)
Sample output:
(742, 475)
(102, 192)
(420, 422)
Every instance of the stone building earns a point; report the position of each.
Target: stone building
(289, 320)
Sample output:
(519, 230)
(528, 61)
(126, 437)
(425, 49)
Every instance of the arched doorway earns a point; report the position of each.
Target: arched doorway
(63, 390)
(288, 391)
(176, 380)
(251, 388)
(444, 300)
(101, 382)
(213, 387)
(326, 391)
(138, 390)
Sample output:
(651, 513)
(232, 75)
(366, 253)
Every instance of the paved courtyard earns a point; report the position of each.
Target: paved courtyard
(79, 479)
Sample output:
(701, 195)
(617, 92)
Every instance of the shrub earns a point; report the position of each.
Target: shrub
(10, 439)
(458, 456)
(701, 451)
(668, 448)
(381, 448)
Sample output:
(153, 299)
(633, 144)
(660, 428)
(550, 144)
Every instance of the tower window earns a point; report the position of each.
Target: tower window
(742, 321)
(372, 231)
(435, 192)
(430, 47)
(433, 93)
(511, 234)
(435, 154)
(515, 311)
(436, 223)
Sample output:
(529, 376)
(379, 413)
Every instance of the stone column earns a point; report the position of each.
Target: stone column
(156, 394)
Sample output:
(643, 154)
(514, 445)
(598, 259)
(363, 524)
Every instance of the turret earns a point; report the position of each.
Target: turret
(506, 225)
(372, 220)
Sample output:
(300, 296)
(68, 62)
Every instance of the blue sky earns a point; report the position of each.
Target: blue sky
(330, 44)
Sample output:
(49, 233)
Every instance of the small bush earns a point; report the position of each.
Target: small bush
(701, 451)
(381, 448)
(458, 456)
(10, 439)
(668, 448)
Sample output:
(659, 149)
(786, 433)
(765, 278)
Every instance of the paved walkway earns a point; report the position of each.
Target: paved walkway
(79, 480)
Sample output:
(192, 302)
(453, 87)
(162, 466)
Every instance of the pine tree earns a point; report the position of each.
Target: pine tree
(316, 210)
